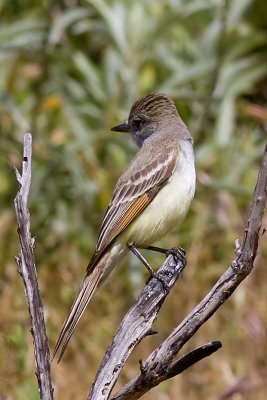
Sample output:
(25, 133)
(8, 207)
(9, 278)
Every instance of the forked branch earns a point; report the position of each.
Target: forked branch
(161, 363)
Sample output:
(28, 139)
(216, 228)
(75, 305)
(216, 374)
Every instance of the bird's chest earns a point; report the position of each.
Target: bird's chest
(174, 199)
(170, 205)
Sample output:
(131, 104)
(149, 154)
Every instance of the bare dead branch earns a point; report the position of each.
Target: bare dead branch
(192, 358)
(136, 325)
(27, 270)
(159, 364)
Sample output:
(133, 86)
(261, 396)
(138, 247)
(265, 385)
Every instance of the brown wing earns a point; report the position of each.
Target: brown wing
(146, 174)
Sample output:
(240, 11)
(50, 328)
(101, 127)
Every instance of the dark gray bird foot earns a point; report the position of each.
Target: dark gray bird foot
(178, 253)
(159, 278)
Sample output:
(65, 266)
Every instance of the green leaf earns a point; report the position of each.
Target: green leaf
(68, 18)
(225, 121)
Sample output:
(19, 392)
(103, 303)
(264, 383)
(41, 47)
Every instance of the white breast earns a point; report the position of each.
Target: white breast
(169, 207)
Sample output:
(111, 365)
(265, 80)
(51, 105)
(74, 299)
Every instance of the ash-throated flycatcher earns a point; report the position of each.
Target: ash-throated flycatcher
(151, 197)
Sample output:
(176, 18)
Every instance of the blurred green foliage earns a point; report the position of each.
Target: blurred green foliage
(69, 70)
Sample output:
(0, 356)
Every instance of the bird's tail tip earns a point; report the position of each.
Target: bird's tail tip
(86, 292)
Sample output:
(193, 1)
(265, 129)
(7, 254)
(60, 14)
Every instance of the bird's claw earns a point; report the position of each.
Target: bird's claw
(177, 252)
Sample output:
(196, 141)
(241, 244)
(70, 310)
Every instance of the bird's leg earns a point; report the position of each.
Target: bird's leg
(178, 252)
(157, 249)
(141, 258)
(154, 274)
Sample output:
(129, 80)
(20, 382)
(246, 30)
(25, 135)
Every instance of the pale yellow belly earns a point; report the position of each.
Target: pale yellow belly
(167, 209)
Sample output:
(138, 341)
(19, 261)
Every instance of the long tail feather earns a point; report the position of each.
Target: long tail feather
(87, 290)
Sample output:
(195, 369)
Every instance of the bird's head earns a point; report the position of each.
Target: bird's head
(147, 115)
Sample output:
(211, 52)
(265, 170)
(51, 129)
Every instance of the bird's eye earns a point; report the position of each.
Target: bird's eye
(138, 123)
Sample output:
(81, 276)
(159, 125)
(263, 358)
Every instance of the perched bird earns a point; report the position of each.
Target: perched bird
(151, 197)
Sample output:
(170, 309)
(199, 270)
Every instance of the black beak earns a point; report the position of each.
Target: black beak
(124, 127)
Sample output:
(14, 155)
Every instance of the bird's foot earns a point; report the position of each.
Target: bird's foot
(178, 253)
(159, 278)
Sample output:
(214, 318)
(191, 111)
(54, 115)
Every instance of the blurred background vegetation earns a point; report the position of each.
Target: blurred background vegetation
(69, 70)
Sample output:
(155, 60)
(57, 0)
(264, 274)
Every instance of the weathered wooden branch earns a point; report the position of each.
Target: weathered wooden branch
(27, 270)
(137, 324)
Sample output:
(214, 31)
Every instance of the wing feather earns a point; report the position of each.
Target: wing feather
(135, 208)
(134, 191)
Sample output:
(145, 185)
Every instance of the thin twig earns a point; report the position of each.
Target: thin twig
(192, 358)
(27, 270)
